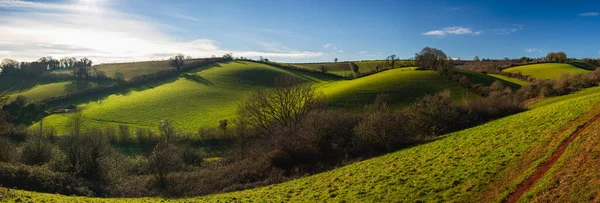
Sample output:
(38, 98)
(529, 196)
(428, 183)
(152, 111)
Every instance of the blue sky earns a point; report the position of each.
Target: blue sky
(296, 31)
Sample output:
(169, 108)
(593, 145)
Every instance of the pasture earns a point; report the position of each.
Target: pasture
(403, 86)
(199, 98)
(546, 70)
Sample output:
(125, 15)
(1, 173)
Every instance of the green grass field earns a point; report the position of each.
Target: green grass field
(403, 86)
(202, 97)
(546, 70)
(487, 79)
(470, 165)
(196, 99)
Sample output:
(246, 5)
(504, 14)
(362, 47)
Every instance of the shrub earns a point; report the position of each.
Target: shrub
(191, 156)
(433, 115)
(380, 130)
(37, 151)
(8, 151)
(165, 158)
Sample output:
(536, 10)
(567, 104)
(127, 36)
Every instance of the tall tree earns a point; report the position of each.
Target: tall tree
(335, 60)
(391, 60)
(177, 62)
(432, 59)
(476, 58)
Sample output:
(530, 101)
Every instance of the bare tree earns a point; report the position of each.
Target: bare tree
(476, 58)
(391, 60)
(188, 58)
(282, 107)
(177, 62)
(165, 158)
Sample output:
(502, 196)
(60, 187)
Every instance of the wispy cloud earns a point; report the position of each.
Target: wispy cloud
(589, 14)
(506, 31)
(456, 30)
(531, 50)
(327, 45)
(97, 31)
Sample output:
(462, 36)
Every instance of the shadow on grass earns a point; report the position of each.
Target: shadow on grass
(123, 90)
(197, 79)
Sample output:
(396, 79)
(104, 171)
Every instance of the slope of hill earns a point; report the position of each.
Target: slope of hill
(199, 98)
(481, 164)
(487, 79)
(546, 70)
(403, 86)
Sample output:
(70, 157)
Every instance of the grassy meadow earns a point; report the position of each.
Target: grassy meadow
(481, 164)
(546, 70)
(199, 98)
(403, 86)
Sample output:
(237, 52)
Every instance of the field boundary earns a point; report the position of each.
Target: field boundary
(541, 170)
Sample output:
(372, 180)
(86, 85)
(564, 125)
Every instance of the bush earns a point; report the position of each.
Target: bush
(165, 158)
(8, 151)
(381, 130)
(37, 151)
(433, 115)
(84, 153)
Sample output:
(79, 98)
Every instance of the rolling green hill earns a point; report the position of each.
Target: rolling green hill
(480, 164)
(546, 70)
(403, 86)
(202, 97)
(199, 98)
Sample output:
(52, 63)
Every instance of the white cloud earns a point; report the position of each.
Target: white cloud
(513, 29)
(362, 52)
(589, 14)
(35, 29)
(456, 30)
(341, 51)
(327, 45)
(531, 50)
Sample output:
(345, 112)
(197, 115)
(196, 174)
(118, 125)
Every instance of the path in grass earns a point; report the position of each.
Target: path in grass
(541, 170)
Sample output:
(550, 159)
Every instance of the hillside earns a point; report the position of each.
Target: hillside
(345, 68)
(199, 98)
(482, 164)
(488, 79)
(546, 70)
(402, 85)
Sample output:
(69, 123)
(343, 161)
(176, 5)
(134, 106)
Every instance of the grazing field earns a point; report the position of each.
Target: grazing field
(403, 86)
(487, 80)
(481, 164)
(546, 70)
(199, 98)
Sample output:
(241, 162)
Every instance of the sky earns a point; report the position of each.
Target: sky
(295, 31)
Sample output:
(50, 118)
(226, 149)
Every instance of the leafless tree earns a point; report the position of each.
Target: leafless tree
(391, 60)
(280, 107)
(165, 158)
(177, 61)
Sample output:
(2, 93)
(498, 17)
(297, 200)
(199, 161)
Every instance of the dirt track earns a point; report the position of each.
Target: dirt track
(541, 170)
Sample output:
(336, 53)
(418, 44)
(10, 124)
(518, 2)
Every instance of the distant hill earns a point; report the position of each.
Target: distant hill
(546, 70)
